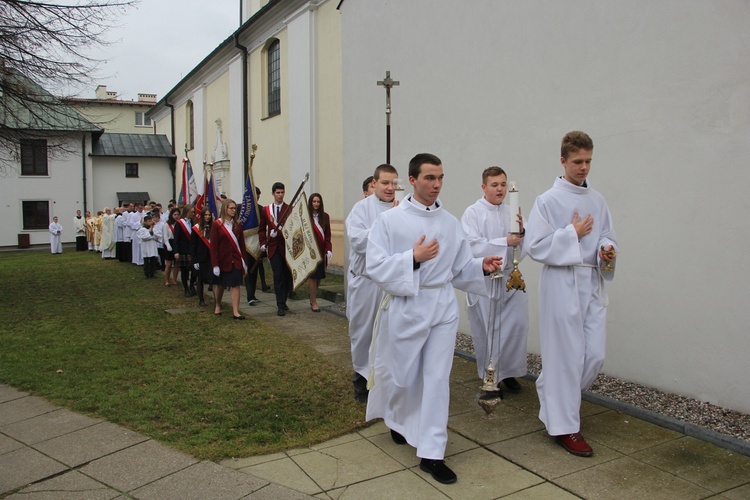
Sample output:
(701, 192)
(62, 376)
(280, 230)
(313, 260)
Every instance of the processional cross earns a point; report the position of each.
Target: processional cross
(388, 83)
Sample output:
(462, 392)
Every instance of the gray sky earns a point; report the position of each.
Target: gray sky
(161, 41)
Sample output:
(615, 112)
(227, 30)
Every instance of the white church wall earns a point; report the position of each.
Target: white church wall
(662, 89)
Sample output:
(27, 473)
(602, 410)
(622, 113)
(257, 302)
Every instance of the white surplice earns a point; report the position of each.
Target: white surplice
(362, 295)
(417, 333)
(55, 237)
(136, 223)
(149, 242)
(487, 227)
(572, 300)
(107, 244)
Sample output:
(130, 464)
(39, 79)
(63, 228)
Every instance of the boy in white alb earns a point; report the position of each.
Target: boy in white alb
(487, 224)
(570, 231)
(417, 253)
(362, 294)
(149, 239)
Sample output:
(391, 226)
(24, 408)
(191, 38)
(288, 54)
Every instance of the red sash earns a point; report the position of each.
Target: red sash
(185, 226)
(200, 234)
(235, 244)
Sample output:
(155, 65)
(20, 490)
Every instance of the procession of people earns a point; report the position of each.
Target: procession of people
(406, 257)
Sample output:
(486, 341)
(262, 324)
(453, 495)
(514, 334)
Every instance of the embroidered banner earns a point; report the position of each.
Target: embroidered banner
(302, 255)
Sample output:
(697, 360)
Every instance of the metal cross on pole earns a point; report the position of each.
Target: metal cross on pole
(388, 83)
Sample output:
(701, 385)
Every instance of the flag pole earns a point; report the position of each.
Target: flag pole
(285, 213)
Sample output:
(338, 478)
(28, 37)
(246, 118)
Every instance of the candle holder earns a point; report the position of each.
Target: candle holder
(399, 192)
(515, 282)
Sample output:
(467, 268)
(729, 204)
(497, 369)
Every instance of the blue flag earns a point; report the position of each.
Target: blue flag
(210, 197)
(249, 217)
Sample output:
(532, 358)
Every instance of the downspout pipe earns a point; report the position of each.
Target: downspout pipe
(83, 164)
(245, 124)
(173, 165)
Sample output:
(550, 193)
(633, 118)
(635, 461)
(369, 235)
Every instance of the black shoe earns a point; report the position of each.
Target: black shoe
(187, 293)
(286, 307)
(360, 388)
(240, 318)
(440, 472)
(202, 303)
(397, 438)
(281, 312)
(512, 385)
(252, 301)
(265, 288)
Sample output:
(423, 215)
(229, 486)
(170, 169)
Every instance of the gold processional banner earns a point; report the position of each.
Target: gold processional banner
(302, 254)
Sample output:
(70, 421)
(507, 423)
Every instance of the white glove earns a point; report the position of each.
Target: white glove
(197, 266)
(281, 227)
(217, 271)
(273, 233)
(263, 248)
(329, 254)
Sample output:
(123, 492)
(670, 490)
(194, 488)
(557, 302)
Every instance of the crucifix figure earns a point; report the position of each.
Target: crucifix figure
(388, 83)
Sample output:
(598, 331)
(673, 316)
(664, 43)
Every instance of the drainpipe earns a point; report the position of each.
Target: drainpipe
(245, 125)
(173, 165)
(83, 162)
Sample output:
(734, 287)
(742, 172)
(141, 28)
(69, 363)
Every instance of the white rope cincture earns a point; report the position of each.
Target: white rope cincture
(376, 327)
(603, 298)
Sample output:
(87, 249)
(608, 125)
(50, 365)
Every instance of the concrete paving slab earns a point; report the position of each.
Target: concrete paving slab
(624, 433)
(23, 466)
(8, 393)
(346, 438)
(483, 475)
(137, 465)
(538, 453)
(741, 493)
(346, 464)
(241, 463)
(8, 444)
(701, 463)
(82, 446)
(375, 428)
(625, 478)
(69, 486)
(276, 492)
(544, 491)
(47, 426)
(507, 424)
(527, 400)
(403, 484)
(464, 372)
(201, 481)
(404, 454)
(464, 398)
(285, 472)
(18, 409)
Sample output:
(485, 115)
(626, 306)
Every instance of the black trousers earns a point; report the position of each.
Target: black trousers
(149, 266)
(81, 244)
(282, 278)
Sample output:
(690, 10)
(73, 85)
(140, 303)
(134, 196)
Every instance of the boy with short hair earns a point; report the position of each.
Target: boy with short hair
(570, 231)
(417, 253)
(488, 224)
(149, 245)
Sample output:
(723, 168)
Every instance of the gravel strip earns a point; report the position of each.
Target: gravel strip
(692, 411)
(706, 415)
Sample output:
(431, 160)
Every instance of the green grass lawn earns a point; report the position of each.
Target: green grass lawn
(92, 335)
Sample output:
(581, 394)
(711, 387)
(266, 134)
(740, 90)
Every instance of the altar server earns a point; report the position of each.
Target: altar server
(55, 236)
(417, 253)
(107, 243)
(149, 246)
(570, 231)
(487, 223)
(362, 295)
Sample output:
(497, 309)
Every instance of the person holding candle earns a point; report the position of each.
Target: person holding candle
(570, 231)
(362, 294)
(417, 253)
(495, 228)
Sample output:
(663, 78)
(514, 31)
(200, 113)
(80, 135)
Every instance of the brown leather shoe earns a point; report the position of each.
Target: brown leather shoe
(575, 444)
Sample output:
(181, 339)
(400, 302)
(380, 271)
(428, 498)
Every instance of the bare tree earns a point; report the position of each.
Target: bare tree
(47, 45)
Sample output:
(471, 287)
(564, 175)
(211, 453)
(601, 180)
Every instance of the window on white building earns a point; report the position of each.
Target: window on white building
(141, 120)
(131, 170)
(274, 78)
(35, 214)
(34, 157)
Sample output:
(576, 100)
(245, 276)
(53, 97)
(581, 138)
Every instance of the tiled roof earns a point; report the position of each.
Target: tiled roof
(133, 145)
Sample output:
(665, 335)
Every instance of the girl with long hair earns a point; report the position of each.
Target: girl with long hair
(228, 256)
(322, 231)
